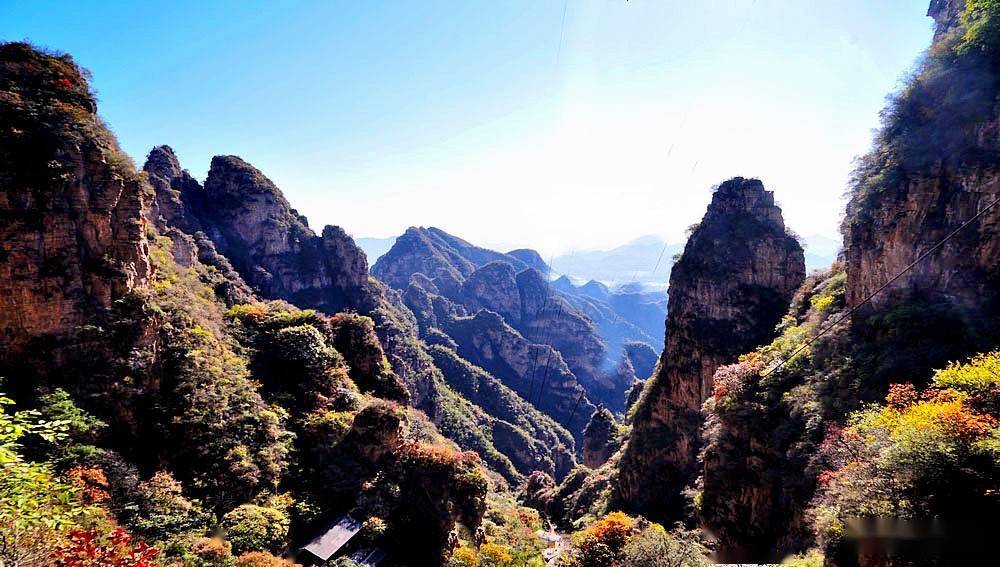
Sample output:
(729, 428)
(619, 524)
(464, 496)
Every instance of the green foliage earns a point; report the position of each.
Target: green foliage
(164, 511)
(981, 19)
(83, 429)
(979, 378)
(929, 454)
(255, 528)
(35, 506)
(223, 438)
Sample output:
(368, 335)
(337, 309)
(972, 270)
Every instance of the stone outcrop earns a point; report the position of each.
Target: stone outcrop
(728, 291)
(72, 236)
(272, 246)
(537, 372)
(599, 438)
(942, 177)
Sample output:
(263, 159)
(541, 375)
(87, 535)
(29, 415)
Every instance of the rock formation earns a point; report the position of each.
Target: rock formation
(243, 215)
(599, 438)
(944, 169)
(537, 372)
(272, 246)
(728, 291)
(72, 237)
(441, 274)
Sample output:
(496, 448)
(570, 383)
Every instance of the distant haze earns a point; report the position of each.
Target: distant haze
(645, 260)
(552, 125)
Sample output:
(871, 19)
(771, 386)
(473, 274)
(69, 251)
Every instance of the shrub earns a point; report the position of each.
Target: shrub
(35, 506)
(494, 554)
(981, 19)
(261, 559)
(212, 550)
(90, 549)
(255, 528)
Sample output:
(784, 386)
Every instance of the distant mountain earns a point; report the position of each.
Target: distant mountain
(646, 259)
(821, 251)
(375, 248)
(445, 279)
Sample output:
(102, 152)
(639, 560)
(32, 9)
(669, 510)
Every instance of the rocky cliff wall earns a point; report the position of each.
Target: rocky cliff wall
(728, 291)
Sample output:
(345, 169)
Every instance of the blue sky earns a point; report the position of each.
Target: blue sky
(551, 124)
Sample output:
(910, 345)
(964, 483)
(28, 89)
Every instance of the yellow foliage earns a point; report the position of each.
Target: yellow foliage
(496, 554)
(465, 556)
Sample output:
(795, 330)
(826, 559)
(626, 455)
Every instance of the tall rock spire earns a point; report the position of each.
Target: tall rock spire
(728, 291)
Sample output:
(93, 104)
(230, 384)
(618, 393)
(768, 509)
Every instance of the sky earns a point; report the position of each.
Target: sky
(558, 125)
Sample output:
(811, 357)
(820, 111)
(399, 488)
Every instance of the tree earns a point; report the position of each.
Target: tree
(35, 506)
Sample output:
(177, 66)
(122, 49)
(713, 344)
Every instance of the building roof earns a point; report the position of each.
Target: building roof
(331, 540)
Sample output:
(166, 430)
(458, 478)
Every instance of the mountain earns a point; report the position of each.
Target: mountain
(588, 331)
(821, 251)
(155, 314)
(817, 421)
(728, 291)
(646, 259)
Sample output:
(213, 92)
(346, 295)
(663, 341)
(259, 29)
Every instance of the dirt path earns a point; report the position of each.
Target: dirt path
(557, 541)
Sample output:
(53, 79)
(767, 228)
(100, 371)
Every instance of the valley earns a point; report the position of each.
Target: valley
(193, 375)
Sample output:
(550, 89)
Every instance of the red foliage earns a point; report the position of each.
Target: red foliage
(90, 549)
(901, 396)
(90, 482)
(64, 84)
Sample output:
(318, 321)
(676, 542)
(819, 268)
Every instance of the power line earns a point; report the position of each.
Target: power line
(854, 309)
(534, 358)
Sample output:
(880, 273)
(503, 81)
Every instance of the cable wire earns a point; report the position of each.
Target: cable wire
(854, 309)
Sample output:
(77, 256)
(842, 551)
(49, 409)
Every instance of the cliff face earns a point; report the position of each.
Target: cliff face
(272, 246)
(728, 291)
(72, 237)
(935, 167)
(536, 372)
(470, 278)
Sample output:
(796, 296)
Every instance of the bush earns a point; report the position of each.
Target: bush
(91, 549)
(255, 528)
(923, 454)
(261, 559)
(212, 550)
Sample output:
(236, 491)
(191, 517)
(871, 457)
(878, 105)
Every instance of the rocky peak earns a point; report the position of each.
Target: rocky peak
(728, 291)
(272, 247)
(494, 287)
(947, 15)
(175, 191)
(531, 259)
(599, 438)
(72, 234)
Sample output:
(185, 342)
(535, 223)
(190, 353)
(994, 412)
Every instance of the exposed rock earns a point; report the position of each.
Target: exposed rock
(474, 278)
(72, 235)
(432, 252)
(536, 372)
(642, 357)
(599, 438)
(531, 259)
(728, 291)
(273, 248)
(494, 287)
(175, 191)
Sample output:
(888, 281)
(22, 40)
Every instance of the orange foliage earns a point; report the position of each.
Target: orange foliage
(90, 482)
(612, 530)
(261, 559)
(901, 396)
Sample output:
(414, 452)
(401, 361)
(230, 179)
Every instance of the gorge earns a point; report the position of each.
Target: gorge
(192, 375)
